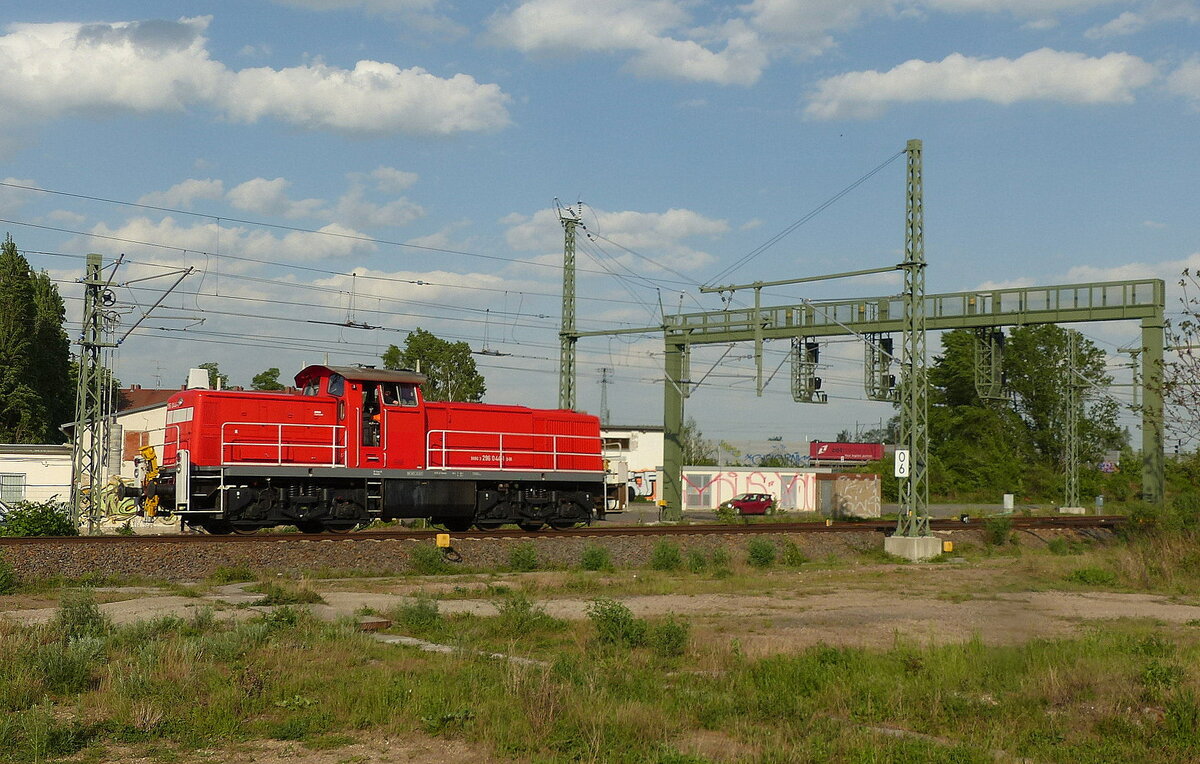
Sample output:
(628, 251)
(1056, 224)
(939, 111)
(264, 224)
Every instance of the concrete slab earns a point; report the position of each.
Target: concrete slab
(1072, 511)
(913, 548)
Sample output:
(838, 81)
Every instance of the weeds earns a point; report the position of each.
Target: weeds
(78, 616)
(1093, 576)
(997, 531)
(669, 639)
(760, 553)
(8, 577)
(615, 623)
(696, 561)
(275, 594)
(518, 616)
(665, 556)
(791, 555)
(421, 615)
(235, 574)
(427, 560)
(523, 557)
(595, 558)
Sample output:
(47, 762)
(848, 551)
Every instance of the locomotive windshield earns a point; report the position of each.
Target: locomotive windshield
(337, 384)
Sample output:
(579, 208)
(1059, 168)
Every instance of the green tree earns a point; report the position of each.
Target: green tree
(22, 410)
(267, 380)
(697, 451)
(215, 378)
(450, 369)
(51, 369)
(1181, 371)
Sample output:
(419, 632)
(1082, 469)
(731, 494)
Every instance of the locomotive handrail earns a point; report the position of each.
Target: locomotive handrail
(503, 455)
(279, 444)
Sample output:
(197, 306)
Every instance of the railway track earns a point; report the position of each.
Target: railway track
(595, 531)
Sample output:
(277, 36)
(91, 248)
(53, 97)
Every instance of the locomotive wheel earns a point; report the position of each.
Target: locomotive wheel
(341, 527)
(530, 527)
(456, 524)
(562, 525)
(489, 525)
(310, 527)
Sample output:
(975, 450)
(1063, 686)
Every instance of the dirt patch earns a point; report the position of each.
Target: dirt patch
(413, 748)
(869, 606)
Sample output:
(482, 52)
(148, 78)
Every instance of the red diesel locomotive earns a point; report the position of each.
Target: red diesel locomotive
(359, 444)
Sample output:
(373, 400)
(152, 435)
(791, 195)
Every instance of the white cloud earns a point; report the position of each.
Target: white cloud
(656, 36)
(1152, 13)
(659, 236)
(1168, 270)
(56, 69)
(184, 193)
(269, 197)
(137, 236)
(391, 180)
(356, 209)
(419, 15)
(1046, 75)
(13, 199)
(1185, 81)
(1153, 224)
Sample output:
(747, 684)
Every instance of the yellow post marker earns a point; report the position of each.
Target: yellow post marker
(828, 522)
(947, 546)
(443, 540)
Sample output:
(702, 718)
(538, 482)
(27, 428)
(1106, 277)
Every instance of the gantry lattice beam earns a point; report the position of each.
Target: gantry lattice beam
(1141, 300)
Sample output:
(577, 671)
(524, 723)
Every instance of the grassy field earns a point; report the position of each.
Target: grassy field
(615, 687)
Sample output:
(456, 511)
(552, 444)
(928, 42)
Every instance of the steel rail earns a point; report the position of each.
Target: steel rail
(864, 526)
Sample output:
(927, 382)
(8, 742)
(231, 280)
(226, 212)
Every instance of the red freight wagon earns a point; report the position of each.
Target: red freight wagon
(850, 452)
(358, 444)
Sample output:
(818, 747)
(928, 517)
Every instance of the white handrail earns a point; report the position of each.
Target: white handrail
(504, 454)
(279, 443)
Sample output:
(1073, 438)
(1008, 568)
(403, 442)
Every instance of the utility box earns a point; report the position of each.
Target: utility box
(845, 495)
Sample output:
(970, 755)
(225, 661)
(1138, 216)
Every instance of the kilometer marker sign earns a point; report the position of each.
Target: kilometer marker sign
(903, 465)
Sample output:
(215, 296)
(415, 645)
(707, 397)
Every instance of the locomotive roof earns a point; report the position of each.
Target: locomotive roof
(361, 374)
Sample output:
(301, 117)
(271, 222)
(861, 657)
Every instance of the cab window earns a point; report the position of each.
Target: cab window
(337, 384)
(312, 387)
(399, 394)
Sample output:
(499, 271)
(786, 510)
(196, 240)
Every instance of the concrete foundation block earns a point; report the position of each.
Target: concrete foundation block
(913, 548)
(1072, 511)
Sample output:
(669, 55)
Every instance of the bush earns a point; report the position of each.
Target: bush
(696, 561)
(669, 639)
(665, 556)
(595, 558)
(420, 615)
(760, 553)
(79, 616)
(274, 594)
(523, 557)
(615, 624)
(428, 560)
(66, 667)
(1093, 576)
(8, 577)
(518, 616)
(720, 563)
(998, 530)
(45, 518)
(792, 556)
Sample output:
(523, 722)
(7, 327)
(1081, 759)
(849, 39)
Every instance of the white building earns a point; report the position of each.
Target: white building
(34, 473)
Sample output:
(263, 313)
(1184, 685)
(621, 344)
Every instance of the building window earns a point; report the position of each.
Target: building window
(12, 487)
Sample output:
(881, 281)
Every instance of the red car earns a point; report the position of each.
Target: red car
(751, 503)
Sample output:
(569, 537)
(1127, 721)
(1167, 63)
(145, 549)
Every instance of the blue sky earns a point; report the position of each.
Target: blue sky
(420, 145)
